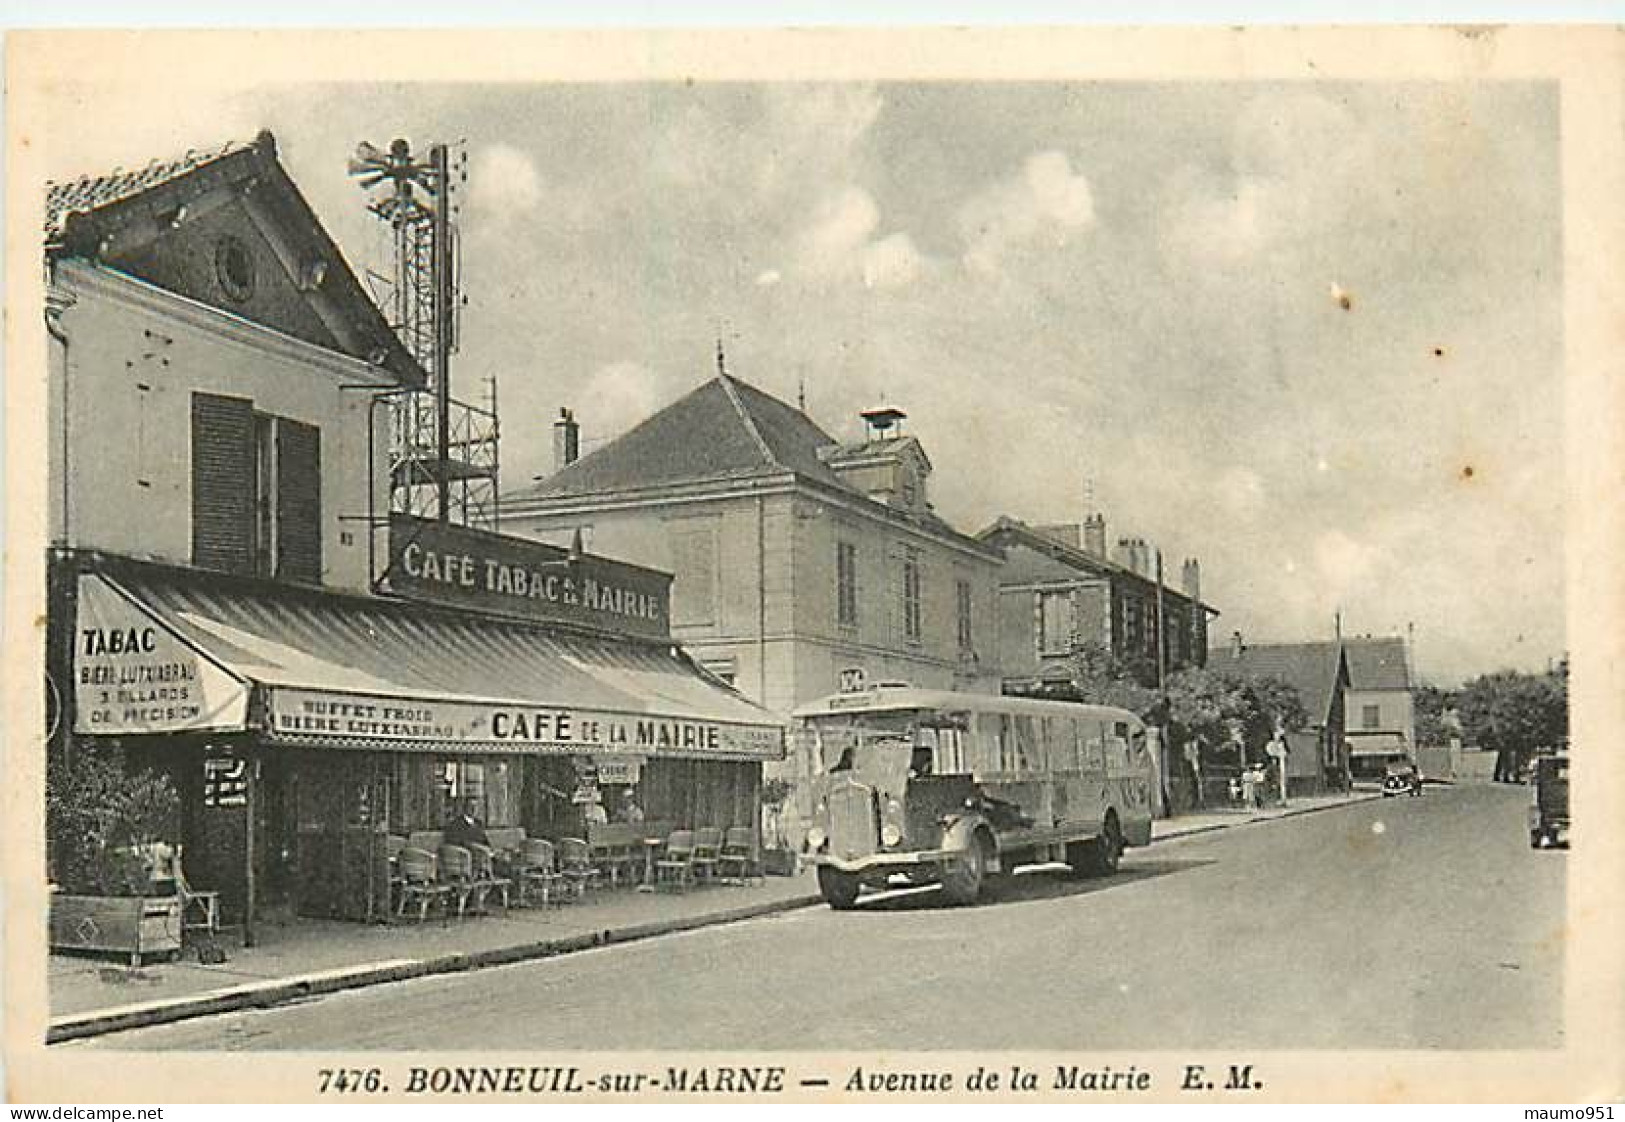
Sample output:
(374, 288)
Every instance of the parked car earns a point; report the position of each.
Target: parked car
(1401, 778)
(1549, 802)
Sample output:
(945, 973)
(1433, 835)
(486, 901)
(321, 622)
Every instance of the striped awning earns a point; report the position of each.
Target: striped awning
(347, 671)
(1376, 744)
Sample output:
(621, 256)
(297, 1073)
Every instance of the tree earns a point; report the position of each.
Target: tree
(1515, 714)
(1098, 677)
(1431, 705)
(1220, 709)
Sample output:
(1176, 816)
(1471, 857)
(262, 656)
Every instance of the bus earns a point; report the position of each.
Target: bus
(960, 788)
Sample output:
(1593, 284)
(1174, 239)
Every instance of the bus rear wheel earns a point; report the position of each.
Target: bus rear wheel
(1099, 856)
(839, 890)
(962, 879)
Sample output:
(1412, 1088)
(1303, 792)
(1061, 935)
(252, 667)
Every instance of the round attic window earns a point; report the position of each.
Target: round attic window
(234, 266)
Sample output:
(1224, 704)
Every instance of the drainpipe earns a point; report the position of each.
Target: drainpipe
(58, 301)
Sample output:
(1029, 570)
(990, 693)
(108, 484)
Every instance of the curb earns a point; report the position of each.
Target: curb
(280, 991)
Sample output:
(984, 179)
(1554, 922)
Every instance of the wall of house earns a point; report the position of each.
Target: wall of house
(878, 641)
(121, 425)
(1395, 712)
(727, 579)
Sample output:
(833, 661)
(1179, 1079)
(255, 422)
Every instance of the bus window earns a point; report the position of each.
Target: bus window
(949, 754)
(1049, 757)
(1094, 733)
(1080, 744)
(1026, 749)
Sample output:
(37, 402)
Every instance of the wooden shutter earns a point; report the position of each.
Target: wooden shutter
(299, 501)
(223, 482)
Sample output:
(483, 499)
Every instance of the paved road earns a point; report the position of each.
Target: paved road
(1407, 923)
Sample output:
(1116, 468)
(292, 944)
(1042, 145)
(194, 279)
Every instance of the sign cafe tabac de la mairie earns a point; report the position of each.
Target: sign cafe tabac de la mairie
(464, 568)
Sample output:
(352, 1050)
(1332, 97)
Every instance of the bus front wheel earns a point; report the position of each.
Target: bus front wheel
(840, 890)
(1097, 857)
(962, 879)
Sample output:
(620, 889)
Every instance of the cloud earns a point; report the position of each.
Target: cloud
(839, 245)
(617, 397)
(768, 277)
(504, 182)
(1045, 203)
(891, 262)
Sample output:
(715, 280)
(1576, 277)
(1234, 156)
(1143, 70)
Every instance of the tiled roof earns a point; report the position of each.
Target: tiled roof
(1310, 668)
(91, 191)
(723, 429)
(1377, 664)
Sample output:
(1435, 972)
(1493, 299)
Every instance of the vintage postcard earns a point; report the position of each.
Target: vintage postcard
(1045, 565)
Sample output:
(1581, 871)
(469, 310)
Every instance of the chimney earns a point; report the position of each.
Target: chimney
(1124, 553)
(1094, 535)
(566, 440)
(1142, 557)
(1236, 646)
(1190, 580)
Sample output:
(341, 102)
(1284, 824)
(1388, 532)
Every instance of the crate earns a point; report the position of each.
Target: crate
(137, 926)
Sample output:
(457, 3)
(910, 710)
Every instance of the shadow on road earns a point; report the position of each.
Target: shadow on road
(1038, 882)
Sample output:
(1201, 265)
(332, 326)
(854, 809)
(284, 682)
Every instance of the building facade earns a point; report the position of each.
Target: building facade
(1059, 593)
(799, 563)
(1318, 753)
(230, 606)
(1381, 712)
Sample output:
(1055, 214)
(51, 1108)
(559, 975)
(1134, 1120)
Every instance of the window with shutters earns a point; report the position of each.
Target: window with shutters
(224, 483)
(1054, 622)
(846, 584)
(911, 595)
(256, 491)
(963, 599)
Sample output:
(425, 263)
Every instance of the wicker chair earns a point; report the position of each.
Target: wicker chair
(575, 862)
(707, 849)
(485, 873)
(739, 853)
(420, 882)
(676, 866)
(537, 868)
(457, 875)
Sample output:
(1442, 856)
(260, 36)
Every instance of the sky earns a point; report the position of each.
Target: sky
(1308, 333)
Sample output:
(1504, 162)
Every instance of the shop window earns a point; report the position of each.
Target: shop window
(846, 584)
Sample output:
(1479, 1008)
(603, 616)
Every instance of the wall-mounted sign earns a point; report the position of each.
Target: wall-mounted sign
(225, 781)
(465, 568)
(619, 769)
(131, 674)
(354, 720)
(853, 679)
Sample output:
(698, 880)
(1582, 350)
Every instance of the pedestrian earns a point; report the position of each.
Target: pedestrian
(464, 827)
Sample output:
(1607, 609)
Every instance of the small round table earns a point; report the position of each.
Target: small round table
(649, 847)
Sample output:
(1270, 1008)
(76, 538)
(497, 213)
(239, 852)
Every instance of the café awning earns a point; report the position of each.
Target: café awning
(343, 671)
(1376, 744)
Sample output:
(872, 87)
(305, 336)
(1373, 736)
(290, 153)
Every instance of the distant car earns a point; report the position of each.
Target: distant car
(1401, 778)
(1549, 801)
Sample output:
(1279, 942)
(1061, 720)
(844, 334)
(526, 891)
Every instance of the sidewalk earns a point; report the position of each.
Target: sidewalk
(1166, 829)
(306, 957)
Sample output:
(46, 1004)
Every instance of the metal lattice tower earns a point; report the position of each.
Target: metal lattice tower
(443, 453)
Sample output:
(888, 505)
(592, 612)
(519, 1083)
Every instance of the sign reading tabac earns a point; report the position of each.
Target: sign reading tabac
(131, 674)
(464, 568)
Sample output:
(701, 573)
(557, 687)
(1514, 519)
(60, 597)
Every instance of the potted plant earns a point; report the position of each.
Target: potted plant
(113, 882)
(778, 856)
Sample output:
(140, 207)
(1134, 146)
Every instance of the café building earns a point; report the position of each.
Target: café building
(305, 728)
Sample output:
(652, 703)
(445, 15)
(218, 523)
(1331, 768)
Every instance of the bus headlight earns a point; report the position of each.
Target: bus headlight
(890, 834)
(815, 838)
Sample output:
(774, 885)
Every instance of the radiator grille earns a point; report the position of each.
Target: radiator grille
(853, 831)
